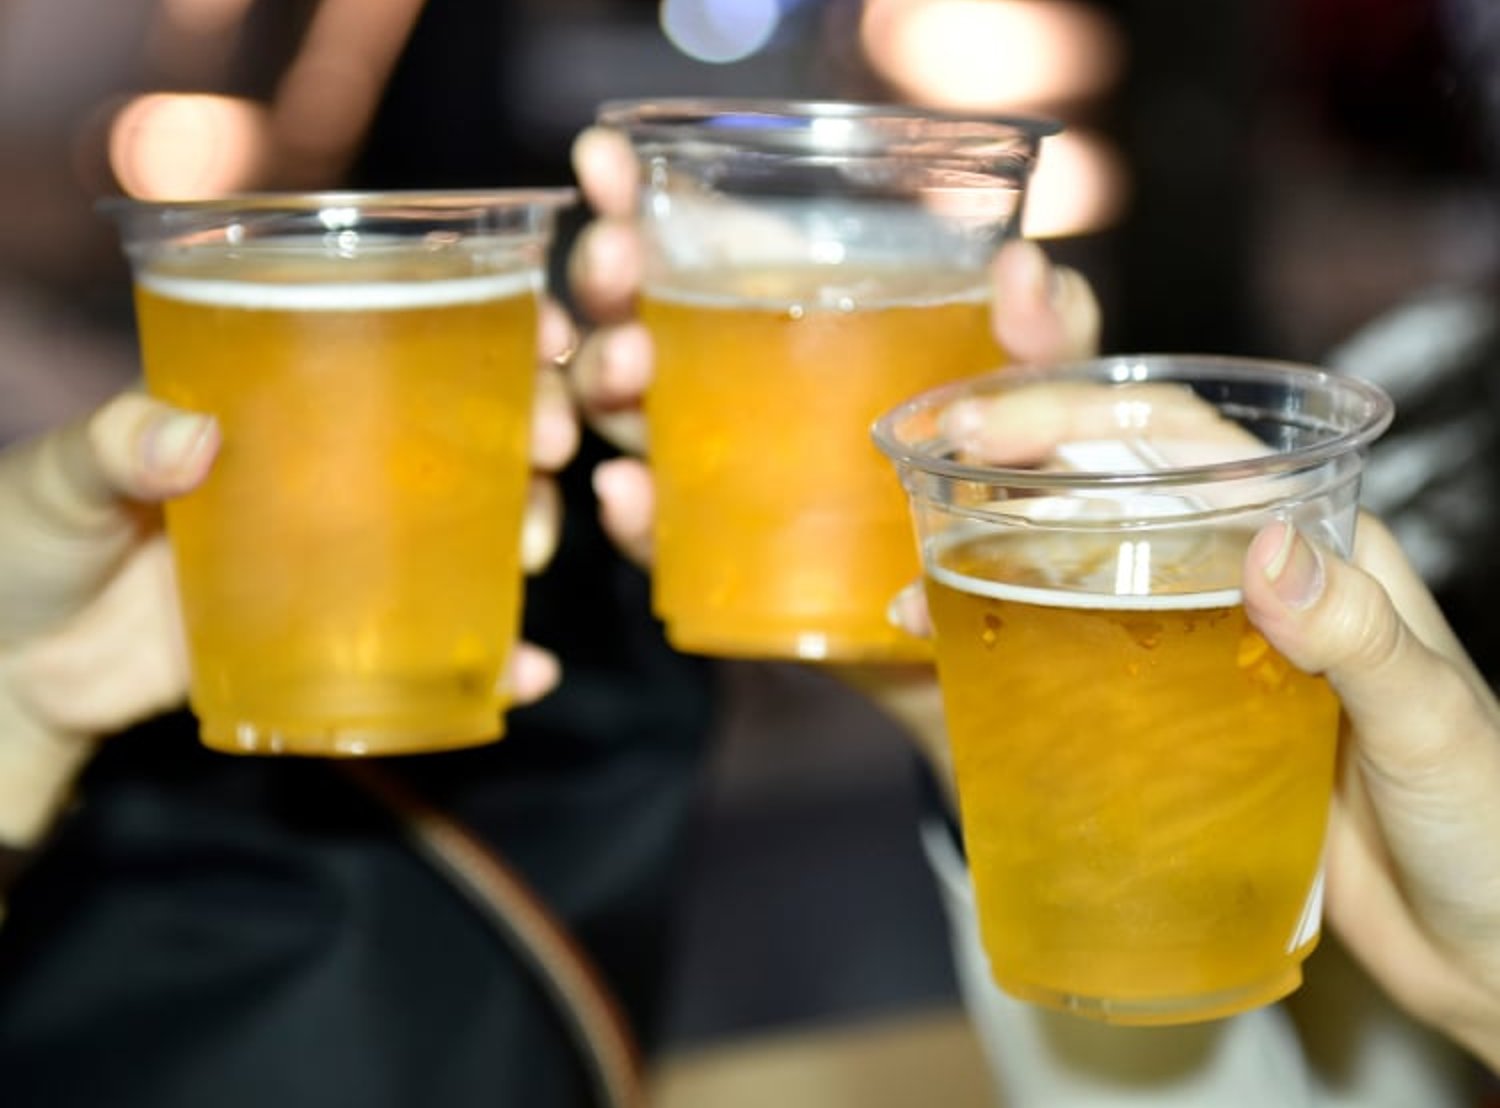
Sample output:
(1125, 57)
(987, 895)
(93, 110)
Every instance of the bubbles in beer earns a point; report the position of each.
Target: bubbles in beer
(1140, 773)
(1263, 667)
(1144, 631)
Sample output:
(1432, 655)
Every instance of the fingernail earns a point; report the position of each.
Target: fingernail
(1025, 271)
(1295, 570)
(172, 443)
(587, 149)
(595, 151)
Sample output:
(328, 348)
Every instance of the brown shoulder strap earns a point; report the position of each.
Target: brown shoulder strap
(503, 897)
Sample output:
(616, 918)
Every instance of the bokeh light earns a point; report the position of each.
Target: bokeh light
(992, 54)
(1080, 185)
(187, 146)
(719, 31)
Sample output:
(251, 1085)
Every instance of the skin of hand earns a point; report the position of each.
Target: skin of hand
(1043, 313)
(1413, 873)
(90, 638)
(1414, 838)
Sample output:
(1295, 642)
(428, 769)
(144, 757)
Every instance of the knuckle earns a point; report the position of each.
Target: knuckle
(1373, 638)
(117, 422)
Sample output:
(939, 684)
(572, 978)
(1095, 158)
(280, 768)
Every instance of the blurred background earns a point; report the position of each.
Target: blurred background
(1245, 176)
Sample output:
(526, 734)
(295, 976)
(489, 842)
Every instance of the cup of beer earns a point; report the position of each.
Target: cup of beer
(349, 573)
(808, 265)
(1143, 781)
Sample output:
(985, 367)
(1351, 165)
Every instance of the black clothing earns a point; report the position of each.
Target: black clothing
(206, 929)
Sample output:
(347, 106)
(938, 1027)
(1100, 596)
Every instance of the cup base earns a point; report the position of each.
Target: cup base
(792, 645)
(350, 741)
(1162, 1011)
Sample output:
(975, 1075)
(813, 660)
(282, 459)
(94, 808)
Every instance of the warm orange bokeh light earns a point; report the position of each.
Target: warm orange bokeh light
(183, 146)
(992, 55)
(1080, 185)
(196, 145)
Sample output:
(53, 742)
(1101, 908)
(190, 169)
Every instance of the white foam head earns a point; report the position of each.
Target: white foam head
(333, 296)
(1096, 601)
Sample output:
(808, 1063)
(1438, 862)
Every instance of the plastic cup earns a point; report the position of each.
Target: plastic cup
(808, 265)
(1143, 781)
(349, 573)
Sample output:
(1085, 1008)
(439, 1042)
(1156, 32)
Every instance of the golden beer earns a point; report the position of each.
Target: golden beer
(781, 531)
(349, 572)
(1144, 782)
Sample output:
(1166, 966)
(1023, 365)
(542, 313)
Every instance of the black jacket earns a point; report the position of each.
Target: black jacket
(210, 930)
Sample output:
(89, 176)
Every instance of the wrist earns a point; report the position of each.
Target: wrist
(38, 768)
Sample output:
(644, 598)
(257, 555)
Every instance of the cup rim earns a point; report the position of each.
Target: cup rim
(437, 201)
(1375, 415)
(673, 116)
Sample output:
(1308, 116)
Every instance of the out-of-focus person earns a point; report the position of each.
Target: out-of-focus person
(185, 927)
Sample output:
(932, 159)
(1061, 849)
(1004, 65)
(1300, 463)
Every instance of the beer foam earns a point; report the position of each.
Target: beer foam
(718, 292)
(1066, 598)
(351, 296)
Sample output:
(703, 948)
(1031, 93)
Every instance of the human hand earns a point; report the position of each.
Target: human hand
(1413, 877)
(90, 638)
(1413, 873)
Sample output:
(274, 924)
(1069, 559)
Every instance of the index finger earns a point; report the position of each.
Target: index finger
(1027, 425)
(70, 501)
(81, 479)
(1424, 721)
(606, 170)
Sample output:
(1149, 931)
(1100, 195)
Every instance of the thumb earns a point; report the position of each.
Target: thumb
(134, 448)
(1423, 725)
(78, 480)
(70, 501)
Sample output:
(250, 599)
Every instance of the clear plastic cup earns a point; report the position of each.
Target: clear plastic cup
(349, 573)
(808, 265)
(1143, 781)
